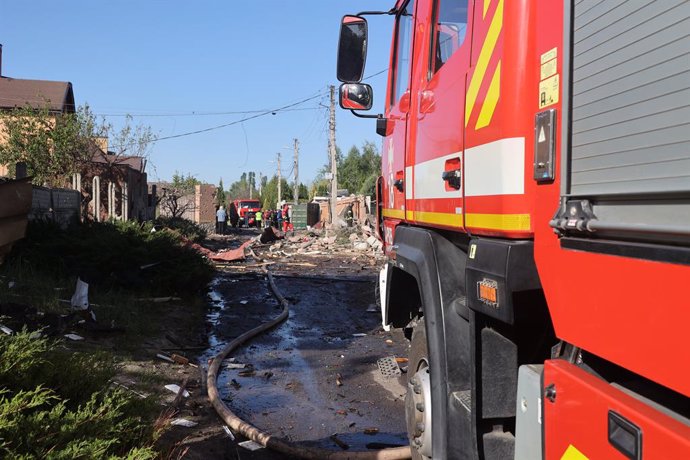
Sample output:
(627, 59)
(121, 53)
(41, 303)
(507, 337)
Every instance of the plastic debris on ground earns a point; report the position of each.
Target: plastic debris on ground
(250, 445)
(184, 422)
(176, 389)
(74, 337)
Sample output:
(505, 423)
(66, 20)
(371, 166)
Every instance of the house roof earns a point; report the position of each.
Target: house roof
(17, 92)
(133, 162)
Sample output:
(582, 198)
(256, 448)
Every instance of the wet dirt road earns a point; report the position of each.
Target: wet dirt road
(316, 374)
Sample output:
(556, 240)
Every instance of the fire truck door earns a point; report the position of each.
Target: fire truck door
(439, 135)
(398, 115)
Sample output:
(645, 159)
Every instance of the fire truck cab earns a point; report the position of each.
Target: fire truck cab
(534, 203)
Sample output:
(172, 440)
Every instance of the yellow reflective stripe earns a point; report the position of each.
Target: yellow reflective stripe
(491, 99)
(483, 61)
(409, 215)
(487, 3)
(498, 221)
(394, 213)
(439, 218)
(571, 453)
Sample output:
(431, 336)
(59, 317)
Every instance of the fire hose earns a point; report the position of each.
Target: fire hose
(249, 431)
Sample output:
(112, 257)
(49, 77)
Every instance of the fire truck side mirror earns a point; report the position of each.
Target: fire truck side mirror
(352, 49)
(356, 96)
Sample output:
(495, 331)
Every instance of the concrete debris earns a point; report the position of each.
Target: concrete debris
(6, 330)
(360, 246)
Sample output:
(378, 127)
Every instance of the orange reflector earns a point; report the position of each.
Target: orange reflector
(487, 291)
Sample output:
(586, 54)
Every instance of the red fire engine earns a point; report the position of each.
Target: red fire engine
(535, 208)
(247, 206)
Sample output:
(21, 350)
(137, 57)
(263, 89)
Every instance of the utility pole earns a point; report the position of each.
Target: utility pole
(295, 194)
(331, 148)
(280, 194)
(260, 181)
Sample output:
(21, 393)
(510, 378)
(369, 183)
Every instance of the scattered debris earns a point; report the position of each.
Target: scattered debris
(177, 389)
(164, 358)
(388, 366)
(371, 431)
(359, 334)
(80, 298)
(183, 422)
(244, 302)
(235, 366)
(235, 384)
(247, 373)
(339, 379)
(6, 330)
(339, 443)
(73, 336)
(229, 432)
(250, 445)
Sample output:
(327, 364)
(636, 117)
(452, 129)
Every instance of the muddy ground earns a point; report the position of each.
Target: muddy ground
(313, 380)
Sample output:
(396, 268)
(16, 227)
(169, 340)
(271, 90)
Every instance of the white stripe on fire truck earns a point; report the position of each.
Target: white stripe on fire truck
(428, 183)
(496, 168)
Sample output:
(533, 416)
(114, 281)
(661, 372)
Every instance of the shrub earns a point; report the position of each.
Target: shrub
(115, 255)
(184, 227)
(48, 409)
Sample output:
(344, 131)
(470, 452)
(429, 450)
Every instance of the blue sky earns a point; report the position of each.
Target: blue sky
(161, 61)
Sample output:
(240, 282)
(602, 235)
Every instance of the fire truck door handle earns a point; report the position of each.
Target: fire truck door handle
(399, 184)
(453, 177)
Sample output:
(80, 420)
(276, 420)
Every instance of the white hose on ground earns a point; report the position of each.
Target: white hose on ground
(251, 432)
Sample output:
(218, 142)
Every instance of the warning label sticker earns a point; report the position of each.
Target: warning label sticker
(549, 55)
(548, 68)
(548, 91)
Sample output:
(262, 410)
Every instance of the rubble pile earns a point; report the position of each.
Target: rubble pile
(329, 241)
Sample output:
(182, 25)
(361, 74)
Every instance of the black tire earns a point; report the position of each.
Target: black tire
(418, 365)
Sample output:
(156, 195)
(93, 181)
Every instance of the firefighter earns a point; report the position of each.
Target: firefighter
(257, 219)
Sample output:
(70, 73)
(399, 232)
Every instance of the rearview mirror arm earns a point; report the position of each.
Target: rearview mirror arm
(357, 114)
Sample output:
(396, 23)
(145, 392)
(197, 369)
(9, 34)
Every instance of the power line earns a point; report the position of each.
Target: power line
(225, 125)
(198, 114)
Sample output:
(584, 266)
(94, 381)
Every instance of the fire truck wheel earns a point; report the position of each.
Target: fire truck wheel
(418, 399)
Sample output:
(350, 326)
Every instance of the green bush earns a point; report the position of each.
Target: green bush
(125, 255)
(49, 409)
(184, 227)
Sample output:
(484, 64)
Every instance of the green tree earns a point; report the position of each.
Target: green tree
(244, 187)
(269, 196)
(220, 198)
(53, 146)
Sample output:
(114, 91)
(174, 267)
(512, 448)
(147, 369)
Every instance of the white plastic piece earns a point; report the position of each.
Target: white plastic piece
(176, 389)
(80, 298)
(250, 445)
(184, 422)
(74, 337)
